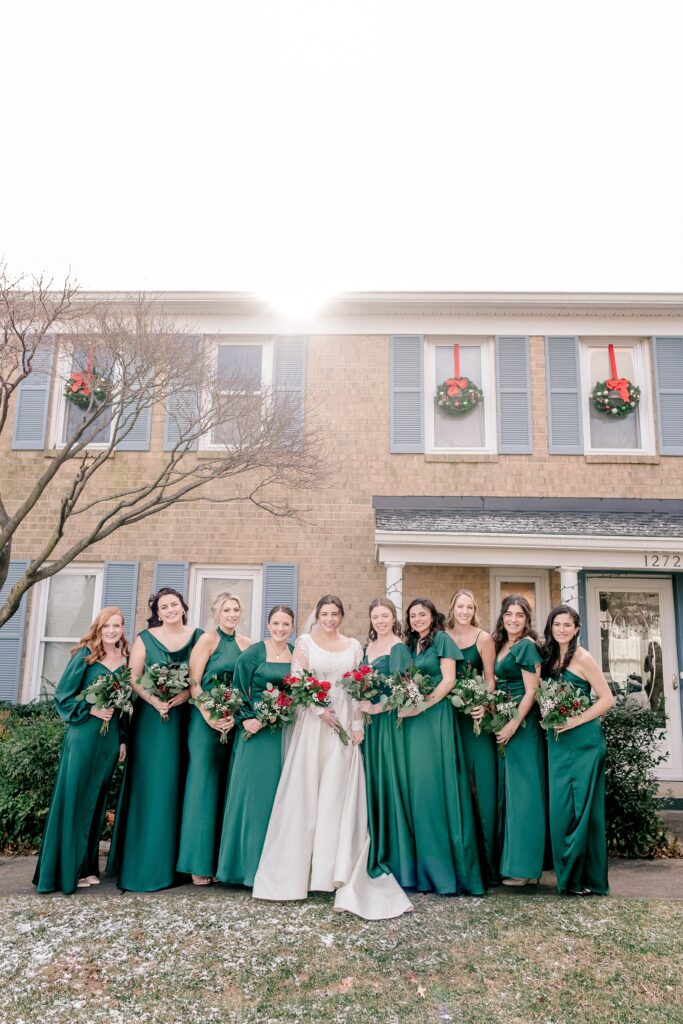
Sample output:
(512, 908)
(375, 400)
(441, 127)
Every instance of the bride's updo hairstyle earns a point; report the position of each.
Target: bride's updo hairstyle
(384, 602)
(329, 599)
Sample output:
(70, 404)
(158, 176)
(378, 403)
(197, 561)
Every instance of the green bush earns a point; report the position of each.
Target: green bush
(634, 828)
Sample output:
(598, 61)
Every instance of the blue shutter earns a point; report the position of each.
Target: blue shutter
(33, 400)
(668, 353)
(182, 409)
(565, 428)
(121, 589)
(514, 395)
(407, 398)
(289, 380)
(279, 587)
(138, 437)
(12, 637)
(171, 574)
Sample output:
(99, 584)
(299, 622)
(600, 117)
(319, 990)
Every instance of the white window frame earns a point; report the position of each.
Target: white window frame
(541, 579)
(199, 573)
(486, 344)
(643, 372)
(59, 406)
(267, 361)
(36, 632)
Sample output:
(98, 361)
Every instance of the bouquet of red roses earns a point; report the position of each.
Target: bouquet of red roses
(165, 681)
(276, 708)
(363, 683)
(309, 691)
(220, 702)
(110, 691)
(559, 701)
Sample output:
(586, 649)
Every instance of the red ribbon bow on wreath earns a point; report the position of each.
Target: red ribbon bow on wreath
(615, 383)
(456, 384)
(80, 382)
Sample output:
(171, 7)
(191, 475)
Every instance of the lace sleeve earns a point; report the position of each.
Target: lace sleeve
(300, 658)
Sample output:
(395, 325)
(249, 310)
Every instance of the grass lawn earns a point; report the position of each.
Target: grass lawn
(213, 956)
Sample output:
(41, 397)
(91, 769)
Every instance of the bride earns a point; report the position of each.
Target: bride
(317, 836)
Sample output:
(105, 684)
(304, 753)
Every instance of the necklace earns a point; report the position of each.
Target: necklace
(278, 654)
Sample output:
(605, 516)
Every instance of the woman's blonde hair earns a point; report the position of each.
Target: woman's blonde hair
(450, 618)
(93, 638)
(220, 600)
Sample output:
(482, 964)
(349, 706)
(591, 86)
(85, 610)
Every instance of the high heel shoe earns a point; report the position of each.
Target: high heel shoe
(519, 882)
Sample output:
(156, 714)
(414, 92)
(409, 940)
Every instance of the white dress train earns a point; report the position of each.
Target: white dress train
(318, 836)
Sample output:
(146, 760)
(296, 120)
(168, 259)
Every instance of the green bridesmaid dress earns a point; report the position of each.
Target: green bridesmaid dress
(70, 846)
(144, 846)
(254, 774)
(576, 802)
(522, 789)
(384, 760)
(482, 770)
(436, 794)
(207, 774)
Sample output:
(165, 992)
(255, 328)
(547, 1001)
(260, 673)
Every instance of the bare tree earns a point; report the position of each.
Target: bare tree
(119, 360)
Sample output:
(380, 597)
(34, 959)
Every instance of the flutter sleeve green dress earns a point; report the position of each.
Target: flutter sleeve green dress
(576, 802)
(144, 847)
(207, 774)
(436, 793)
(70, 846)
(522, 789)
(254, 774)
(482, 770)
(384, 761)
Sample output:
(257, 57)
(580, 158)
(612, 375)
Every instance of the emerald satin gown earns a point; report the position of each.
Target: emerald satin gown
(437, 801)
(207, 774)
(482, 771)
(144, 847)
(254, 774)
(384, 760)
(70, 846)
(522, 789)
(576, 801)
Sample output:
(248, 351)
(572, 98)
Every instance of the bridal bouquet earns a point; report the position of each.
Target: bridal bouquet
(469, 692)
(165, 681)
(309, 691)
(559, 702)
(221, 701)
(408, 690)
(110, 691)
(276, 708)
(363, 683)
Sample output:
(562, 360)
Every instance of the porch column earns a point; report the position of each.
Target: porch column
(569, 586)
(394, 585)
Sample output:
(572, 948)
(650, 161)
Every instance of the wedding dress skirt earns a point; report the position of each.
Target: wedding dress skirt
(318, 836)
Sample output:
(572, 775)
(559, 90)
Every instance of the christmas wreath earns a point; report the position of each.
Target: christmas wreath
(83, 389)
(616, 396)
(457, 395)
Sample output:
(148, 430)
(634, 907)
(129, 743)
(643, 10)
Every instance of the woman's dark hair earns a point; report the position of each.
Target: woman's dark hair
(551, 649)
(384, 602)
(280, 608)
(153, 603)
(412, 637)
(500, 635)
(329, 599)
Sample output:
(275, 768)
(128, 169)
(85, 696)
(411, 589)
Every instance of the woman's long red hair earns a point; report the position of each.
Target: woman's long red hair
(93, 638)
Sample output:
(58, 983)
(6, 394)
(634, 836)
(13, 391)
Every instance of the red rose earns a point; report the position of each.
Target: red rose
(321, 696)
(325, 686)
(365, 669)
(563, 711)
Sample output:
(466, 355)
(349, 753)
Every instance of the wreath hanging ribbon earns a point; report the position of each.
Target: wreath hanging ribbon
(616, 396)
(82, 388)
(458, 394)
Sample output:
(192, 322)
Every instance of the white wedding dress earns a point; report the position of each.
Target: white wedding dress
(318, 836)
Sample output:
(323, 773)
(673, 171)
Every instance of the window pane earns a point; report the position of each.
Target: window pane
(70, 605)
(631, 647)
(243, 426)
(54, 662)
(243, 589)
(617, 431)
(467, 431)
(74, 418)
(239, 366)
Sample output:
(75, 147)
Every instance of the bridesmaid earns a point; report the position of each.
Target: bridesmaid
(383, 751)
(207, 773)
(479, 654)
(522, 786)
(436, 789)
(257, 762)
(144, 847)
(69, 853)
(576, 763)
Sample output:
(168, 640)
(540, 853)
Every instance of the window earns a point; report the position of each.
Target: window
(67, 416)
(244, 369)
(626, 434)
(473, 431)
(534, 586)
(244, 582)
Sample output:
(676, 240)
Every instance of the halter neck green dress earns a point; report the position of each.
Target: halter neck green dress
(522, 789)
(383, 752)
(254, 773)
(144, 846)
(70, 846)
(436, 794)
(576, 798)
(207, 774)
(481, 764)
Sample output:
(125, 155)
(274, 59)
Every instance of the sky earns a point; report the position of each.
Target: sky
(325, 145)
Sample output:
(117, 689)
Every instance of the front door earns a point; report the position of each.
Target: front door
(631, 634)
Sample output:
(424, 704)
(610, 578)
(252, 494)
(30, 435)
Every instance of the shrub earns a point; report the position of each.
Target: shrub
(634, 828)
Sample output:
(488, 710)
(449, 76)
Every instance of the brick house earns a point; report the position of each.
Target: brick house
(531, 492)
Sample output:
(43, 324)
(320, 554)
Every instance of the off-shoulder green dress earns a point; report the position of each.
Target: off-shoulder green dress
(144, 847)
(70, 846)
(522, 789)
(576, 803)
(254, 773)
(207, 774)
